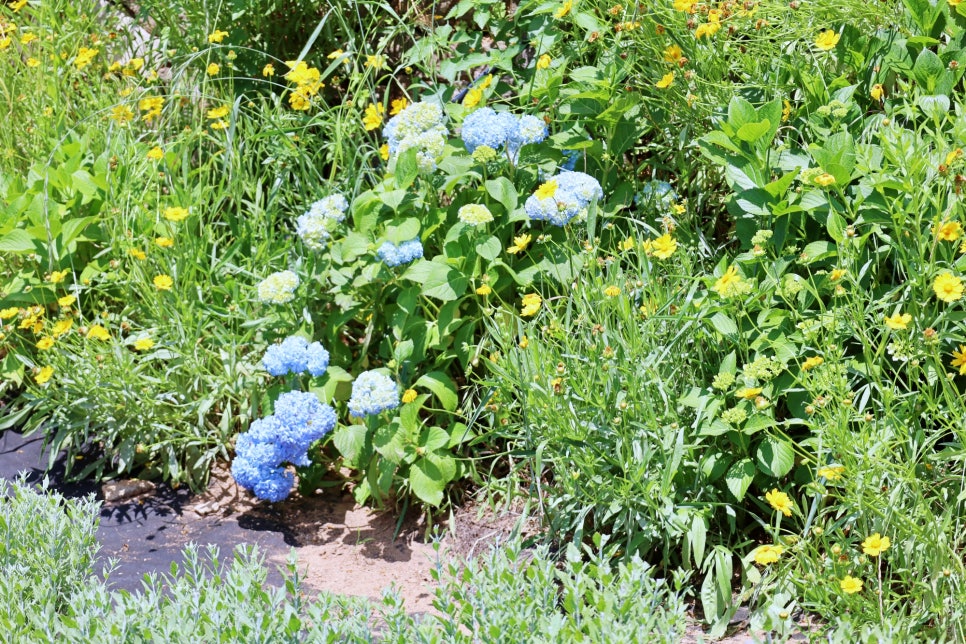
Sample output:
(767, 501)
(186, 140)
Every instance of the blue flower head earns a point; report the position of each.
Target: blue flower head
(303, 418)
(372, 393)
(658, 193)
(275, 485)
(295, 355)
(404, 253)
(421, 126)
(574, 193)
(495, 129)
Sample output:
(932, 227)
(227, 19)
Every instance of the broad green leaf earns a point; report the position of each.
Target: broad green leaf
(403, 232)
(724, 325)
(17, 240)
(490, 248)
(751, 132)
(437, 279)
(350, 440)
(426, 482)
(433, 438)
(503, 191)
(775, 456)
(739, 477)
(407, 168)
(441, 385)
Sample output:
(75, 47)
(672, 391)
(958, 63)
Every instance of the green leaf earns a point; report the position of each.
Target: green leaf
(490, 248)
(17, 240)
(775, 456)
(433, 438)
(724, 325)
(407, 168)
(503, 191)
(426, 482)
(751, 132)
(739, 478)
(437, 279)
(819, 250)
(408, 229)
(350, 440)
(388, 441)
(441, 385)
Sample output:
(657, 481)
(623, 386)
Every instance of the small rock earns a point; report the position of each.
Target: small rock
(126, 489)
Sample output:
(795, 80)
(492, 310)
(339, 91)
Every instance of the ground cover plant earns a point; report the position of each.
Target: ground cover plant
(689, 274)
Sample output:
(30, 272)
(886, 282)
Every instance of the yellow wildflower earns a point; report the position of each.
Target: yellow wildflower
(948, 287)
(66, 301)
(397, 106)
(137, 253)
(707, 30)
(97, 332)
(44, 375)
(824, 180)
(544, 61)
(143, 344)
(217, 36)
(218, 112)
(831, 472)
(268, 70)
(376, 61)
(163, 282)
(155, 154)
(175, 213)
(213, 69)
(28, 38)
(520, 244)
(531, 304)
(84, 57)
(837, 274)
(959, 359)
(827, 40)
(665, 81)
(748, 392)
(612, 291)
(373, 116)
(546, 190)
(768, 554)
(672, 54)
(779, 502)
(484, 290)
(45, 343)
(62, 327)
(948, 231)
(164, 242)
(151, 106)
(730, 284)
(876, 93)
(664, 246)
(409, 395)
(384, 151)
(58, 276)
(898, 322)
(850, 585)
(563, 10)
(6, 314)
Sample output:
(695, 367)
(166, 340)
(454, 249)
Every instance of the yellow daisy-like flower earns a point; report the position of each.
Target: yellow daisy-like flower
(66, 301)
(155, 154)
(84, 57)
(876, 93)
(665, 81)
(563, 10)
(44, 375)
(875, 545)
(837, 274)
(812, 362)
(372, 118)
(213, 69)
(520, 244)
(827, 40)
(729, 284)
(137, 253)
(217, 36)
(831, 472)
(268, 70)
(948, 287)
(898, 322)
(33, 62)
(218, 112)
(409, 395)
(484, 290)
(62, 327)
(397, 106)
(684, 5)
(612, 291)
(97, 332)
(768, 554)
(45, 343)
(948, 231)
(163, 282)
(544, 61)
(748, 393)
(175, 213)
(6, 314)
(164, 242)
(473, 98)
(28, 38)
(672, 54)
(779, 502)
(531, 304)
(664, 246)
(376, 61)
(959, 359)
(143, 344)
(546, 190)
(58, 276)
(707, 30)
(850, 585)
(384, 151)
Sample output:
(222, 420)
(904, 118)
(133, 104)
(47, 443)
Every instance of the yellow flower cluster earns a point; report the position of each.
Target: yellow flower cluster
(307, 82)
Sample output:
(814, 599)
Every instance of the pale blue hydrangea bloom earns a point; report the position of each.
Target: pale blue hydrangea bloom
(658, 193)
(278, 288)
(372, 393)
(295, 355)
(404, 253)
(285, 437)
(315, 226)
(332, 207)
(574, 194)
(495, 129)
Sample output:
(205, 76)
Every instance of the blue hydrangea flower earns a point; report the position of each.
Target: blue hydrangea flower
(295, 355)
(404, 253)
(571, 162)
(372, 393)
(287, 357)
(317, 359)
(284, 437)
(495, 129)
(574, 193)
(658, 193)
(332, 207)
(278, 288)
